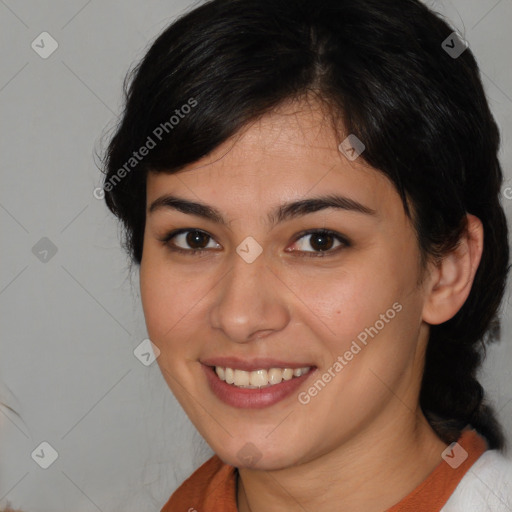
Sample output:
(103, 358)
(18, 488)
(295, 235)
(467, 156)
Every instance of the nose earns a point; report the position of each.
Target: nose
(251, 302)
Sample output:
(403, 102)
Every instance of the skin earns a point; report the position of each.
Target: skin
(362, 443)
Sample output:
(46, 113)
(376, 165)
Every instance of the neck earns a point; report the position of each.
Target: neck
(372, 471)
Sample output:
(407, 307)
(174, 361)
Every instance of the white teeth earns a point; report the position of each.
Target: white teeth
(230, 375)
(258, 378)
(275, 375)
(241, 378)
(287, 373)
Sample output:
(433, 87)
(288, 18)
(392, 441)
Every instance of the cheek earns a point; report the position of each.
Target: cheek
(174, 302)
(153, 296)
(346, 300)
(371, 299)
(169, 327)
(164, 295)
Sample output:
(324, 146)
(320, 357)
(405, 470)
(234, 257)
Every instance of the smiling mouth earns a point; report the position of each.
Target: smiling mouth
(258, 379)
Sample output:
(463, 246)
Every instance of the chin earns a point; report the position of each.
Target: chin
(259, 455)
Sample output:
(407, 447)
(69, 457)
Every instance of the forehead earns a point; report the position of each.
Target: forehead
(289, 154)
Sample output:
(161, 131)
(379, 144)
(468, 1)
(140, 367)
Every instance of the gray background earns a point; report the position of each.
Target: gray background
(70, 324)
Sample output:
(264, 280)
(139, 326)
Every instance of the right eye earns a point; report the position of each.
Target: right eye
(192, 237)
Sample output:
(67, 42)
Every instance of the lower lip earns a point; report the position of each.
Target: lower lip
(252, 398)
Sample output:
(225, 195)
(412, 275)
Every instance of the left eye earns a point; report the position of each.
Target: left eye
(322, 241)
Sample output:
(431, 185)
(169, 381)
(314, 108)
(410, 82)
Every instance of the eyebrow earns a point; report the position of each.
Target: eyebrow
(281, 213)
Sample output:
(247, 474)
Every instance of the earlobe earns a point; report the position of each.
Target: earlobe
(451, 280)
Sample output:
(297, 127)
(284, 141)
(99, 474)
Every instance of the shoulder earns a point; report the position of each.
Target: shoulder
(213, 482)
(487, 486)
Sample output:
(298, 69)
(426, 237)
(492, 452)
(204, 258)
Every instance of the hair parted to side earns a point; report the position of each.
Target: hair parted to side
(379, 67)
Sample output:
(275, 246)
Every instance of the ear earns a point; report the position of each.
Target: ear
(450, 281)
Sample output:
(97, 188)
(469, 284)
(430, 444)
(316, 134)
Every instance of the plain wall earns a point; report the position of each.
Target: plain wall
(70, 324)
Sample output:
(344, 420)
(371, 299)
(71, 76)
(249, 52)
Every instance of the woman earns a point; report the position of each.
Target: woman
(311, 190)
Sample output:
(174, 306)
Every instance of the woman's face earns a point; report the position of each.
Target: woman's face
(262, 295)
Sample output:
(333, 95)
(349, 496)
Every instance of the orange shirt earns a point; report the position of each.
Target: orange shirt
(212, 487)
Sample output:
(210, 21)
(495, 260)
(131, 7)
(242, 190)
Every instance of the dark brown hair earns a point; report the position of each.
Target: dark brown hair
(381, 68)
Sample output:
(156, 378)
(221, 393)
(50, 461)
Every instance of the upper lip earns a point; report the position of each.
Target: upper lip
(251, 364)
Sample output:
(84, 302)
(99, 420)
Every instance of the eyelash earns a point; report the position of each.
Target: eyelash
(312, 254)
